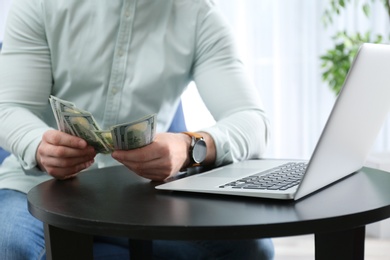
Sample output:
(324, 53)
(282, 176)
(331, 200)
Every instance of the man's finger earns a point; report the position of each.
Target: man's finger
(62, 139)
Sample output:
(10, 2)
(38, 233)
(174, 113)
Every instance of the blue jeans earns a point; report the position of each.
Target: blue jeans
(22, 238)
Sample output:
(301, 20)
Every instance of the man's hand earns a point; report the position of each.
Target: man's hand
(62, 155)
(163, 158)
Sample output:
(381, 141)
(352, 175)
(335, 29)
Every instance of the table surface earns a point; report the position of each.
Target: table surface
(114, 201)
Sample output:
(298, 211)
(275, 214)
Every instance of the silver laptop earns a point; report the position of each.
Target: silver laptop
(352, 127)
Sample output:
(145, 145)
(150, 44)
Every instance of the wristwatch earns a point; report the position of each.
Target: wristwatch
(198, 149)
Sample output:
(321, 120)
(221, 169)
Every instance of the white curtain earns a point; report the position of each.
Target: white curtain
(280, 42)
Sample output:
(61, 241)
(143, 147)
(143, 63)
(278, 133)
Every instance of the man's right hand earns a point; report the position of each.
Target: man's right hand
(62, 155)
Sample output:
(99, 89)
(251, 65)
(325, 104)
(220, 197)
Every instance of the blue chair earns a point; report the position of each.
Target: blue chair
(3, 154)
(178, 123)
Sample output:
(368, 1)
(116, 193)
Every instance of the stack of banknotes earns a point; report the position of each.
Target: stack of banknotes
(81, 123)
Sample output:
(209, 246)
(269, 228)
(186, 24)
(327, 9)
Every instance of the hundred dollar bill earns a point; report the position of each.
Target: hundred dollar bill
(135, 134)
(59, 107)
(106, 137)
(81, 123)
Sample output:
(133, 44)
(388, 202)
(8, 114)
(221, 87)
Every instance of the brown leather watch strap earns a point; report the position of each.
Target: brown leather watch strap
(195, 137)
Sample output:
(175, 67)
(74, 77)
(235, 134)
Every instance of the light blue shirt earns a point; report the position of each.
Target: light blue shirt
(120, 60)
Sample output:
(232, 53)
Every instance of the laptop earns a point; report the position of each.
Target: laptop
(347, 138)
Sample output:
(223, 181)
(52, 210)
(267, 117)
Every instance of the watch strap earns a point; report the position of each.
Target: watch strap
(193, 134)
(194, 137)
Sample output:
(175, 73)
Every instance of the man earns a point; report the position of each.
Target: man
(119, 60)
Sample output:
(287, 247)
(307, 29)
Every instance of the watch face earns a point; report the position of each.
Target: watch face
(199, 151)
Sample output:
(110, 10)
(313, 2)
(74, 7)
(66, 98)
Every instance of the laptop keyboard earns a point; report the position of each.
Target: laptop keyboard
(282, 177)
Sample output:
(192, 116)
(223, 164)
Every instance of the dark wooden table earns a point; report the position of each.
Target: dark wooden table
(115, 202)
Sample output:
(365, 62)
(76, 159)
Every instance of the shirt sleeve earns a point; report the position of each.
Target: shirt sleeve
(25, 81)
(241, 131)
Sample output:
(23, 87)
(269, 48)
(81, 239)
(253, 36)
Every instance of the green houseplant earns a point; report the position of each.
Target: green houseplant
(337, 60)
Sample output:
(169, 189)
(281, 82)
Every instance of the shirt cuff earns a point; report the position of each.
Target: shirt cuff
(27, 158)
(221, 139)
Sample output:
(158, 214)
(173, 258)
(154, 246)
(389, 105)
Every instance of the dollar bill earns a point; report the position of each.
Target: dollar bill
(106, 137)
(84, 126)
(135, 134)
(59, 107)
(81, 123)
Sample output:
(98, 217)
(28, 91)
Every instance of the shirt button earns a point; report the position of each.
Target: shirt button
(120, 53)
(114, 90)
(127, 14)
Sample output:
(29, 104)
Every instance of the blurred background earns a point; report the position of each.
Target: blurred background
(281, 43)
